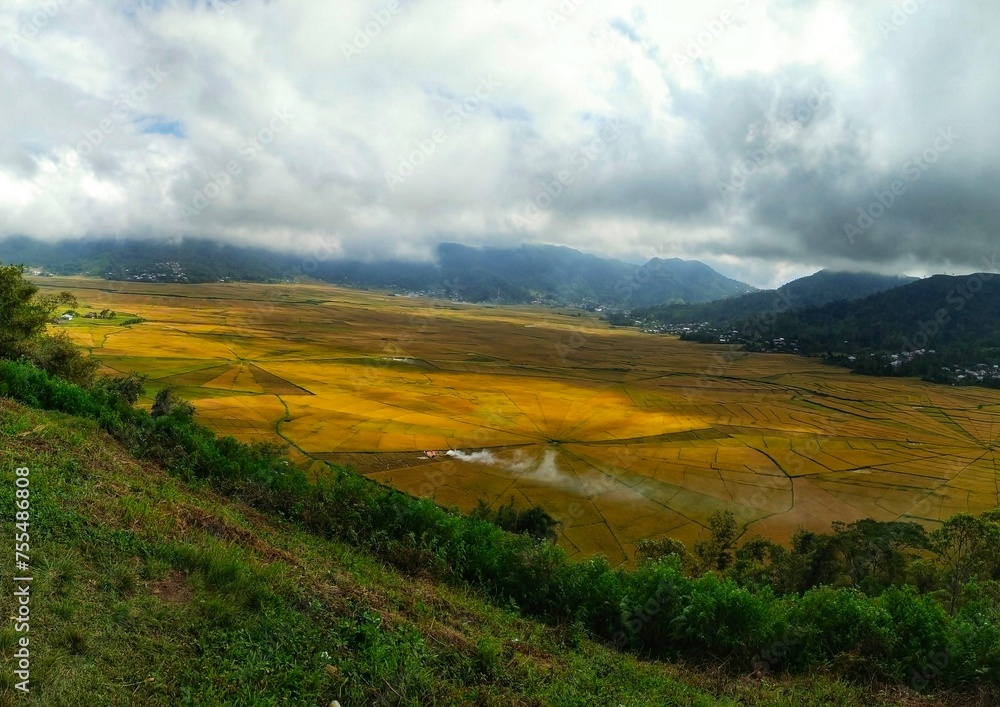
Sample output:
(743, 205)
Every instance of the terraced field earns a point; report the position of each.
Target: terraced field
(620, 435)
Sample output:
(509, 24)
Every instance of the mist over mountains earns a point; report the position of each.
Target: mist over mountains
(530, 273)
(826, 312)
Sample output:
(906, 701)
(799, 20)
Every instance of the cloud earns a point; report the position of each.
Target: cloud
(748, 134)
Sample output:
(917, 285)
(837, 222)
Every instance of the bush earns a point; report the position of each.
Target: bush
(167, 402)
(534, 521)
(59, 356)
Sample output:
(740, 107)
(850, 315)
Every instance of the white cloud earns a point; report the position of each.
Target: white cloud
(693, 87)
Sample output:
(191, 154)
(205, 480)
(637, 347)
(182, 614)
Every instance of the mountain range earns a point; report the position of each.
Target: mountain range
(959, 315)
(528, 273)
(807, 292)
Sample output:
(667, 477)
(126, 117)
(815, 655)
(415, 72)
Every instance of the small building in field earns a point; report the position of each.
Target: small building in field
(67, 317)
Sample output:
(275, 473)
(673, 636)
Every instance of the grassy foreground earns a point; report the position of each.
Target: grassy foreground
(149, 590)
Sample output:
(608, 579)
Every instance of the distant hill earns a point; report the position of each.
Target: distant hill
(690, 281)
(151, 261)
(554, 274)
(813, 290)
(959, 315)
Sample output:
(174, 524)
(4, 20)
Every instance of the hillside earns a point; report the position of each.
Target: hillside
(571, 276)
(148, 590)
(958, 317)
(813, 290)
(149, 261)
(507, 275)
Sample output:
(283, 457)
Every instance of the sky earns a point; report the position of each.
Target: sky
(767, 138)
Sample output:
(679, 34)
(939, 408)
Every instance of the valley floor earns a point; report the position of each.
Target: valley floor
(619, 435)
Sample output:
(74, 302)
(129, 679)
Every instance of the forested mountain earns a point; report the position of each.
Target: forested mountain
(954, 315)
(555, 274)
(813, 290)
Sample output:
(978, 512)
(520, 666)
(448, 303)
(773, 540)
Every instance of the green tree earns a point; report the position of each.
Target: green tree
(761, 563)
(23, 313)
(966, 547)
(873, 554)
(125, 389)
(23, 317)
(650, 550)
(534, 521)
(167, 402)
(59, 356)
(717, 552)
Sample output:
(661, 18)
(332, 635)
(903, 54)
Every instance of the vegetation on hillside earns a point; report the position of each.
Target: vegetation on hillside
(945, 313)
(24, 314)
(149, 261)
(152, 591)
(945, 329)
(863, 600)
(807, 292)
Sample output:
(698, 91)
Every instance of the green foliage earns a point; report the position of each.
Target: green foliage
(534, 521)
(966, 549)
(761, 563)
(811, 291)
(716, 553)
(23, 317)
(59, 356)
(770, 607)
(123, 389)
(650, 550)
(167, 402)
(952, 318)
(23, 314)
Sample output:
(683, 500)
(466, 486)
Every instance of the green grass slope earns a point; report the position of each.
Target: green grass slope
(149, 590)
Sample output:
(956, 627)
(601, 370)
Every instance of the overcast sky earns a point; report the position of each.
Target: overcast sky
(768, 139)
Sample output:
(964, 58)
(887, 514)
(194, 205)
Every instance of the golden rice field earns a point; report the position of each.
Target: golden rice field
(620, 435)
